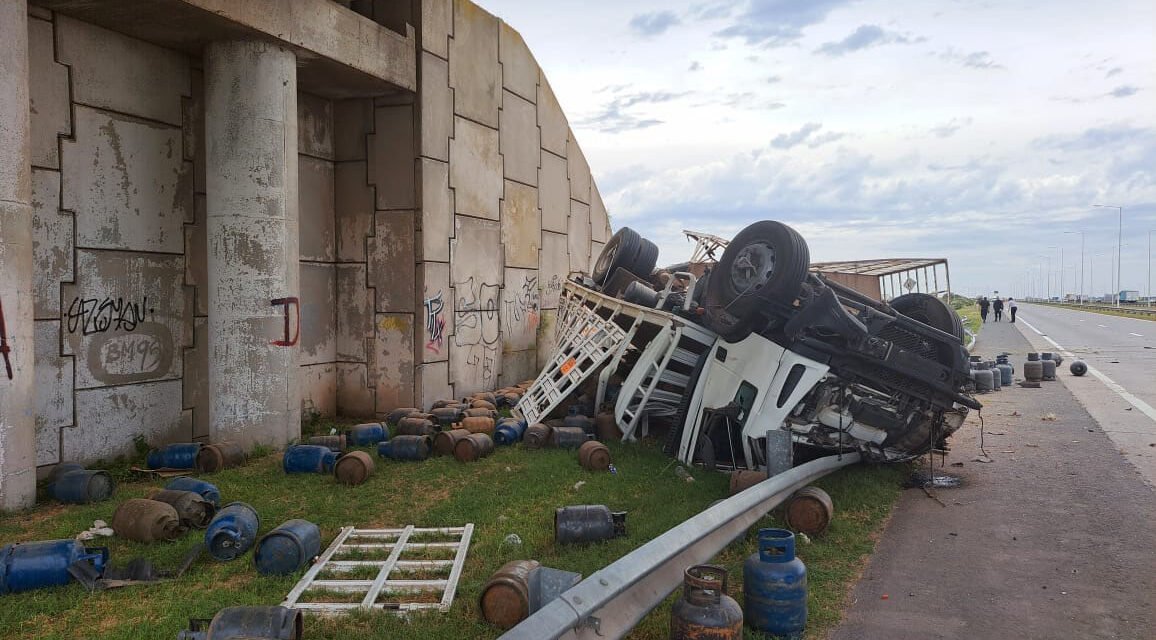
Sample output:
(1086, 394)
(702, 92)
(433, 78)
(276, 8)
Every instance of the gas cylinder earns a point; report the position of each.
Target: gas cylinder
(505, 599)
(587, 523)
(705, 611)
(1033, 370)
(63, 468)
(25, 566)
(1049, 372)
(412, 426)
(193, 510)
(335, 442)
(1005, 373)
(252, 623)
(996, 378)
(1045, 355)
(365, 435)
(1078, 368)
(509, 431)
(477, 424)
(537, 436)
(445, 441)
(208, 491)
(509, 398)
(473, 447)
(606, 427)
(405, 448)
(983, 380)
(232, 532)
(1033, 356)
(287, 548)
(175, 456)
(439, 404)
(146, 520)
(743, 480)
(594, 456)
(353, 468)
(481, 412)
(223, 455)
(480, 400)
(398, 414)
(810, 510)
(775, 586)
(308, 458)
(82, 486)
(447, 415)
(580, 421)
(568, 437)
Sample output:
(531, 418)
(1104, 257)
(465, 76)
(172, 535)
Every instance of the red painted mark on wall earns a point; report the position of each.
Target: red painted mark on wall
(4, 348)
(290, 339)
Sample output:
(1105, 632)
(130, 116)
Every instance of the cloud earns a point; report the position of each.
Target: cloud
(774, 79)
(1098, 138)
(795, 138)
(654, 23)
(974, 60)
(774, 23)
(713, 11)
(694, 66)
(948, 129)
(1123, 91)
(866, 36)
(613, 117)
(1114, 71)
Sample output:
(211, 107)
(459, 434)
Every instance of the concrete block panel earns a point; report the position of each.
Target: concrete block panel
(49, 108)
(521, 310)
(521, 225)
(51, 243)
(474, 71)
(318, 313)
(578, 171)
(124, 318)
(476, 264)
(578, 239)
(354, 394)
(434, 381)
(393, 365)
(315, 126)
(475, 169)
(53, 391)
(519, 70)
(599, 219)
(477, 274)
(196, 378)
(392, 261)
(437, 210)
(435, 311)
(193, 130)
(553, 268)
(474, 366)
(519, 139)
(120, 73)
(108, 418)
(554, 193)
(127, 184)
(39, 12)
(354, 313)
(316, 202)
(547, 329)
(437, 107)
(437, 25)
(352, 122)
(197, 257)
(391, 157)
(555, 131)
(518, 366)
(353, 201)
(318, 391)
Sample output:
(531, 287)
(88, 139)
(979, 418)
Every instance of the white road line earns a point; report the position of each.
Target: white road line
(1138, 335)
(1108, 382)
(1102, 326)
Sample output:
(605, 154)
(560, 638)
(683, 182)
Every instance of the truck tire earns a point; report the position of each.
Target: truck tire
(931, 311)
(621, 251)
(646, 259)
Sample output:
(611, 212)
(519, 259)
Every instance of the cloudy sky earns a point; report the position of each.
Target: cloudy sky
(976, 131)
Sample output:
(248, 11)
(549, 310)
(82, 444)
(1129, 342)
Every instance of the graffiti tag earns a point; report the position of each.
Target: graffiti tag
(435, 322)
(97, 315)
(4, 348)
(289, 339)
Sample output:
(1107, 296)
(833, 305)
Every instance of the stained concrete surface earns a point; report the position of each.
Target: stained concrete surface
(1053, 539)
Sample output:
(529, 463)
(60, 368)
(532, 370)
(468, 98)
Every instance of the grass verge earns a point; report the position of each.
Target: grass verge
(1124, 313)
(513, 491)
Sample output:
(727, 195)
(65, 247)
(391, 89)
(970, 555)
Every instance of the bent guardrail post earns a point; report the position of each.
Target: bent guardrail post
(614, 599)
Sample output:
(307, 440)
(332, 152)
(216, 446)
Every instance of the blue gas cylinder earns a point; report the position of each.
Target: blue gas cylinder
(25, 566)
(509, 431)
(82, 486)
(775, 586)
(406, 448)
(287, 548)
(309, 458)
(232, 531)
(207, 490)
(182, 455)
(366, 435)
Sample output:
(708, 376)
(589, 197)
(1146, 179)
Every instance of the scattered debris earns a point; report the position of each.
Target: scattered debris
(997, 433)
(513, 540)
(1049, 417)
(1031, 444)
(982, 459)
(98, 529)
(1014, 413)
(578, 485)
(937, 480)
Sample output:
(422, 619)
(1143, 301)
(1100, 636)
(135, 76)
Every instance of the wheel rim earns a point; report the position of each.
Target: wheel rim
(752, 267)
(606, 259)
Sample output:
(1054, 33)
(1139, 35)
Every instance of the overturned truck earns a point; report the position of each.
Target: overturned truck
(732, 360)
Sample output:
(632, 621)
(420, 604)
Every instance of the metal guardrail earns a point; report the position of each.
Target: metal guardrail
(1125, 308)
(615, 598)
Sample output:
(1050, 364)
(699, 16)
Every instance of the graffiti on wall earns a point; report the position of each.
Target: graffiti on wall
(520, 312)
(476, 330)
(121, 358)
(435, 322)
(4, 348)
(290, 337)
(98, 315)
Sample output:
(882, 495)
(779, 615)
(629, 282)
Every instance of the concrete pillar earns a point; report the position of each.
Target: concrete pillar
(17, 397)
(254, 314)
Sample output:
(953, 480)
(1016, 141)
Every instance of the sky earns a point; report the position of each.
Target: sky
(982, 132)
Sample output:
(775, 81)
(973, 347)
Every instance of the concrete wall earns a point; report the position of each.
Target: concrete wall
(436, 228)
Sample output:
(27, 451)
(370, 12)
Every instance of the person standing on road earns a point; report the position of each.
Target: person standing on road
(1012, 306)
(984, 304)
(997, 306)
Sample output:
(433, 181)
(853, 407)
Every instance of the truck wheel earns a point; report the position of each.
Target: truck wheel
(931, 311)
(646, 259)
(621, 251)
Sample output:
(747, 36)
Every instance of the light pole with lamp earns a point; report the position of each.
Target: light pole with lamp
(1150, 231)
(1081, 232)
(1119, 244)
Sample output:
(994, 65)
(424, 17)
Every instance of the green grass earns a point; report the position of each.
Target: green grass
(513, 491)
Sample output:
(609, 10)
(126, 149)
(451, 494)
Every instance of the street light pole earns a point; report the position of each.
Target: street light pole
(1119, 245)
(1150, 266)
(1081, 232)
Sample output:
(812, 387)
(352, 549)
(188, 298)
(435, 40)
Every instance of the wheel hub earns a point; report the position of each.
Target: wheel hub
(753, 267)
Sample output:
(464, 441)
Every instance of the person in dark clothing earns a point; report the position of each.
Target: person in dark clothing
(1012, 306)
(997, 306)
(984, 305)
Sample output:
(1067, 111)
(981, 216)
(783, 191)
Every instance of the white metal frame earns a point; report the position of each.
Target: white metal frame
(397, 541)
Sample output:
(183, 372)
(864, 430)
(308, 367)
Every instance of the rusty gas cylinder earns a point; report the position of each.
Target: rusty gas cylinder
(606, 427)
(146, 520)
(353, 468)
(705, 611)
(445, 441)
(537, 436)
(223, 455)
(438, 404)
(568, 437)
(509, 398)
(447, 416)
(480, 412)
(482, 396)
(477, 425)
(810, 510)
(483, 404)
(336, 443)
(193, 510)
(743, 480)
(473, 447)
(594, 455)
(412, 426)
(398, 414)
(505, 599)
